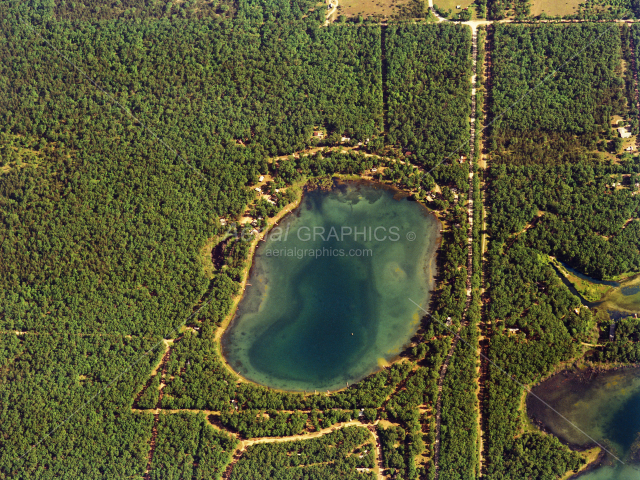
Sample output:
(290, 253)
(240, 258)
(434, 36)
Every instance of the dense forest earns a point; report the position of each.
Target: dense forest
(585, 215)
(66, 405)
(334, 456)
(110, 188)
(566, 119)
(535, 323)
(126, 216)
(189, 447)
(428, 92)
(626, 346)
(557, 186)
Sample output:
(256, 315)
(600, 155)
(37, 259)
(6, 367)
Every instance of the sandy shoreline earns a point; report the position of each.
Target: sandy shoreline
(224, 326)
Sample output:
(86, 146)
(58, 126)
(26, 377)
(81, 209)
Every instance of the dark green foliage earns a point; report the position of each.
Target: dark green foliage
(189, 447)
(327, 418)
(206, 383)
(392, 456)
(584, 221)
(257, 423)
(526, 294)
(534, 455)
(555, 88)
(429, 93)
(149, 398)
(323, 163)
(334, 456)
(125, 217)
(67, 406)
(459, 435)
(246, 12)
(626, 344)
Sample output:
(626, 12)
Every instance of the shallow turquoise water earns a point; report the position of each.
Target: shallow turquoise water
(318, 321)
(602, 408)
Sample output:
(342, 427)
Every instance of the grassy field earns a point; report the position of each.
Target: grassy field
(555, 7)
(452, 4)
(366, 8)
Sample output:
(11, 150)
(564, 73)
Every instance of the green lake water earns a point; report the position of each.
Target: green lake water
(328, 300)
(605, 406)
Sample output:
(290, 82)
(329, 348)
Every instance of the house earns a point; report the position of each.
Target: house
(630, 148)
(612, 332)
(374, 170)
(223, 221)
(513, 330)
(623, 132)
(261, 179)
(345, 139)
(318, 134)
(258, 189)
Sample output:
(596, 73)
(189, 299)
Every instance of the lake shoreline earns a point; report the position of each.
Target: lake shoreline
(325, 184)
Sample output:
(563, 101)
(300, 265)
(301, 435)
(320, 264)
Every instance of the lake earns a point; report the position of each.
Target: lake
(605, 406)
(328, 300)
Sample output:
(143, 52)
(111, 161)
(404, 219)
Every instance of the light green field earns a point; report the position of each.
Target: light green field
(366, 8)
(555, 7)
(616, 300)
(452, 4)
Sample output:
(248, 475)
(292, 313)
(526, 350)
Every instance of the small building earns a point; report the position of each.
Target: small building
(612, 332)
(223, 221)
(345, 139)
(374, 170)
(258, 189)
(624, 133)
(318, 134)
(513, 330)
(261, 179)
(630, 148)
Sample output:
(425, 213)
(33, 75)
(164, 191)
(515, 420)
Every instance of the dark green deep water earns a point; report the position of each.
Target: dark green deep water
(317, 321)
